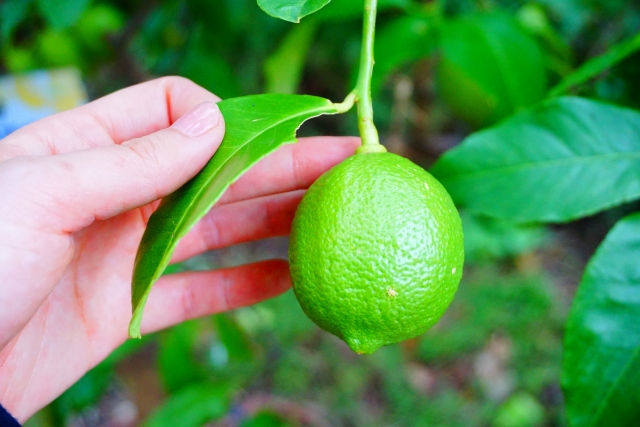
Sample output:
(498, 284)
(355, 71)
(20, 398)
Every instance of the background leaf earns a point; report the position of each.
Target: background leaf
(178, 365)
(234, 338)
(283, 69)
(62, 13)
(597, 65)
(568, 158)
(291, 10)
(601, 367)
(403, 40)
(488, 239)
(490, 68)
(191, 407)
(11, 13)
(207, 68)
(265, 418)
(255, 126)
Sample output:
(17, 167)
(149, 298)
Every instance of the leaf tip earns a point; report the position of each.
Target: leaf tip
(134, 326)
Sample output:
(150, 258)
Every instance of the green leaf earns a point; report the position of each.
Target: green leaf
(192, 407)
(283, 69)
(61, 14)
(265, 418)
(490, 68)
(601, 366)
(178, 364)
(255, 126)
(234, 338)
(12, 12)
(404, 40)
(597, 65)
(487, 239)
(291, 10)
(567, 158)
(520, 410)
(207, 67)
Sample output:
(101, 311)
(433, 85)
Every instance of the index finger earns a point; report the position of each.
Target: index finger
(123, 115)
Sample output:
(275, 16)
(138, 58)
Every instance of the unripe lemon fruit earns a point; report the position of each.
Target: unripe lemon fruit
(376, 251)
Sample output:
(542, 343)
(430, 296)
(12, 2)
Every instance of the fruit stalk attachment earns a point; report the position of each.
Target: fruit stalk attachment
(368, 131)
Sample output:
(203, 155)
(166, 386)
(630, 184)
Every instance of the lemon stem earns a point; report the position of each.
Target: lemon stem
(368, 131)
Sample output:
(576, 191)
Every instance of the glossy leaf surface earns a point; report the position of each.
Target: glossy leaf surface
(291, 10)
(601, 367)
(490, 68)
(597, 65)
(567, 158)
(255, 126)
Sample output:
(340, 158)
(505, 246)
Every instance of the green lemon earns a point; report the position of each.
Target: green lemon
(376, 251)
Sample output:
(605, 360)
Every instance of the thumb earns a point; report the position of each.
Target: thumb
(102, 182)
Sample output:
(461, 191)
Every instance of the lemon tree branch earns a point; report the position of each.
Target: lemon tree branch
(368, 131)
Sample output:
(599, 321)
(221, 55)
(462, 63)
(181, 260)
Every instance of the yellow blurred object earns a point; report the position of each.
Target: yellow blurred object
(27, 97)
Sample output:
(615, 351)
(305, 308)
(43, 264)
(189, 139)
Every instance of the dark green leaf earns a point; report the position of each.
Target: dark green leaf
(490, 68)
(567, 158)
(265, 419)
(404, 40)
(207, 68)
(234, 338)
(12, 12)
(192, 407)
(255, 126)
(62, 13)
(597, 65)
(291, 10)
(178, 365)
(283, 69)
(601, 367)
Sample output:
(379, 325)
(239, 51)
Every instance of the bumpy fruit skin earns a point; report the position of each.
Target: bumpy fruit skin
(376, 251)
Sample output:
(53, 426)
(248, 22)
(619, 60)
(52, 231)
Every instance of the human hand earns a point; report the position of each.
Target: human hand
(76, 191)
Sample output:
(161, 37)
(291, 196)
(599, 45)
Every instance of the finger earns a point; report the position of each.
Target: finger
(123, 115)
(291, 167)
(67, 192)
(179, 297)
(240, 222)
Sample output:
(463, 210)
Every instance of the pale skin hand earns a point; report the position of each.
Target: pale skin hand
(76, 191)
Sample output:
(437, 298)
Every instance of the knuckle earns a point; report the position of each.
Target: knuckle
(188, 302)
(179, 85)
(296, 169)
(146, 151)
(211, 231)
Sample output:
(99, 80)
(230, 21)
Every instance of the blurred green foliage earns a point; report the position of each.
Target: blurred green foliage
(495, 357)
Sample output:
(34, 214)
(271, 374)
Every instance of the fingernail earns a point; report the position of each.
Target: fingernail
(199, 120)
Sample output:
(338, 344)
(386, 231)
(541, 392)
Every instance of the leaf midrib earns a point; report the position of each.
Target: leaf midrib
(531, 165)
(178, 235)
(607, 396)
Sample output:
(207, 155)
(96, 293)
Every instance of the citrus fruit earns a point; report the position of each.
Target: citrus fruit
(376, 251)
